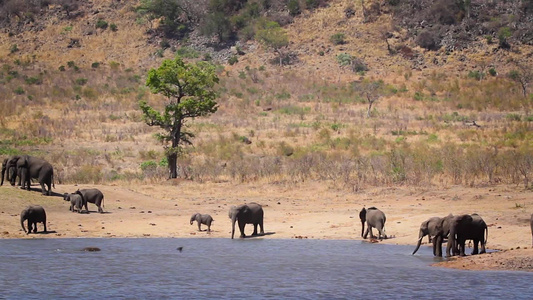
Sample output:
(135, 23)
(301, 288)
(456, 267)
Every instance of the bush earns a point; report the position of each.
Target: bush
(233, 60)
(19, 91)
(81, 81)
(428, 40)
(95, 65)
(14, 48)
(294, 7)
(102, 24)
(113, 27)
(337, 39)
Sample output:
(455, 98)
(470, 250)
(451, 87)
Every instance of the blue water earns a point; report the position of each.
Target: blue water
(239, 269)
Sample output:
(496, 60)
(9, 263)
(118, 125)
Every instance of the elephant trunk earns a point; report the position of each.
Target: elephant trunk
(233, 220)
(420, 237)
(22, 219)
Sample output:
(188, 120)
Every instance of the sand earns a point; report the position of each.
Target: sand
(310, 211)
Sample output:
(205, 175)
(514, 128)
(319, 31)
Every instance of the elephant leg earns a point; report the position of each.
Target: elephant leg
(382, 234)
(436, 251)
(209, 228)
(44, 225)
(262, 232)
(476, 249)
(255, 229)
(372, 236)
(35, 227)
(462, 248)
(29, 227)
(100, 210)
(199, 226)
(366, 233)
(241, 228)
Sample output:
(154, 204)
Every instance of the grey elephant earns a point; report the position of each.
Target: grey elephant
(374, 218)
(442, 234)
(467, 227)
(431, 228)
(34, 214)
(75, 200)
(29, 167)
(9, 169)
(531, 221)
(92, 196)
(251, 213)
(202, 219)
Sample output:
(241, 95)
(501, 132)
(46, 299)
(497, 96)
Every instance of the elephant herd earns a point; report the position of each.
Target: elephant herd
(455, 229)
(26, 168)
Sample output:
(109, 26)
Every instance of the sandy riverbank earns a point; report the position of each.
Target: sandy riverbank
(306, 211)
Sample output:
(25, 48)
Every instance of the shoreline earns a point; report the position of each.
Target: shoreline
(312, 211)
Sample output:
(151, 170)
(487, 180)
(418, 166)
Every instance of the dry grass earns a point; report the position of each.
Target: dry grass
(305, 122)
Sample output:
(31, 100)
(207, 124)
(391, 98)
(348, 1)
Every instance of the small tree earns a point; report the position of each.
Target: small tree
(189, 92)
(272, 36)
(372, 91)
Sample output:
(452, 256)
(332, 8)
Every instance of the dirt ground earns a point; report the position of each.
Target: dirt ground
(312, 210)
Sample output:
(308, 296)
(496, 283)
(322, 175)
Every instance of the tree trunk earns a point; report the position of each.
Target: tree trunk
(173, 165)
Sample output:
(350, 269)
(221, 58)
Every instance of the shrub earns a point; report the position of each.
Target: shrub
(14, 48)
(513, 117)
(338, 39)
(102, 24)
(428, 40)
(113, 27)
(294, 7)
(81, 81)
(95, 65)
(19, 91)
(492, 72)
(71, 64)
(61, 68)
(233, 60)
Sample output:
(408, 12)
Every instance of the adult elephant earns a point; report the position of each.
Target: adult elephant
(34, 214)
(94, 196)
(431, 228)
(251, 213)
(531, 221)
(374, 218)
(442, 234)
(33, 167)
(467, 227)
(9, 169)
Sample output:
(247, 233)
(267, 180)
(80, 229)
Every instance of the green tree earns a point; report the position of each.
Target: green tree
(218, 24)
(272, 36)
(188, 89)
(372, 91)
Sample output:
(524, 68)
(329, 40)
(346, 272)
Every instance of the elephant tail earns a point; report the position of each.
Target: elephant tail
(53, 182)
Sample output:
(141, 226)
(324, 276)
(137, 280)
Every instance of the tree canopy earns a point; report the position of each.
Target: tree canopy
(189, 91)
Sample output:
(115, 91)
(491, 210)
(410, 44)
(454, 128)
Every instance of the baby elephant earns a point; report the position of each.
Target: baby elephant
(76, 202)
(202, 219)
(34, 214)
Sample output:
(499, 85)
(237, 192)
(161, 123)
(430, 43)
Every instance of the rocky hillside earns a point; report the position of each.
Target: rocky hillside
(454, 76)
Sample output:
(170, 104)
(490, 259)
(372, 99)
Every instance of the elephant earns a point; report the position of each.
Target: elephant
(29, 167)
(467, 227)
(34, 214)
(442, 234)
(93, 196)
(9, 169)
(373, 218)
(202, 219)
(251, 213)
(431, 228)
(531, 223)
(76, 201)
